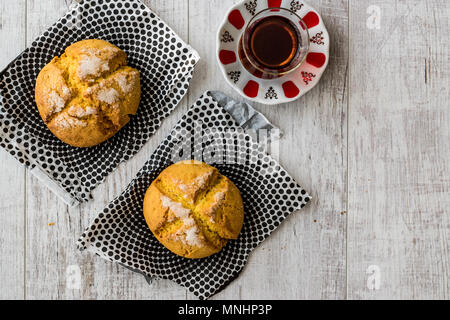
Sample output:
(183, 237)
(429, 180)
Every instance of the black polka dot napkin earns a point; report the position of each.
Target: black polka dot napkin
(208, 133)
(166, 65)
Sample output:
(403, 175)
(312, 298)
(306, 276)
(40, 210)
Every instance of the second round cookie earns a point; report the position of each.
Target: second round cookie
(193, 210)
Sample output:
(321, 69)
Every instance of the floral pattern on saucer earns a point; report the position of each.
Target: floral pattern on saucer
(286, 88)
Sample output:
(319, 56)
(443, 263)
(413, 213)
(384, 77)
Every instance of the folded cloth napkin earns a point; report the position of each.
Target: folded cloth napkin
(209, 133)
(165, 62)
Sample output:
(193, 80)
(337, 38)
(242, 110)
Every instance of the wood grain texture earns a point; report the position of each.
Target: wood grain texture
(399, 169)
(12, 174)
(307, 250)
(370, 142)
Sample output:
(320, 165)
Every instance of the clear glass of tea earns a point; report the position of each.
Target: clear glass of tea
(275, 42)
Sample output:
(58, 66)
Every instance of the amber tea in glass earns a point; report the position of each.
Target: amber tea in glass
(274, 43)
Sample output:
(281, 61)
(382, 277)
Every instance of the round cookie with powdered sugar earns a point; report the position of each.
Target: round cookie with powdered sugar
(87, 95)
(193, 210)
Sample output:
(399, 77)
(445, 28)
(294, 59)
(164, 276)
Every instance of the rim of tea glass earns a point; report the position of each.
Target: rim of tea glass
(274, 72)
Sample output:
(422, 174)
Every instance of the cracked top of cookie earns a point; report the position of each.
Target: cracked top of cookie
(193, 210)
(87, 95)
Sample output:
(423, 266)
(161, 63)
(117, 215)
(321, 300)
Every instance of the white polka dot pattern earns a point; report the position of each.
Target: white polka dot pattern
(166, 64)
(120, 233)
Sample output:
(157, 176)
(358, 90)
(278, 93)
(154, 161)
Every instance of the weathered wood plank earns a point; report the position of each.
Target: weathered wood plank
(12, 174)
(52, 258)
(305, 257)
(397, 167)
(399, 177)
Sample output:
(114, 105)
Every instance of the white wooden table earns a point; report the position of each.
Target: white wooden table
(371, 143)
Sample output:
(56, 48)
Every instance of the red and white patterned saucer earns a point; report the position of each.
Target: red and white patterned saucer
(288, 87)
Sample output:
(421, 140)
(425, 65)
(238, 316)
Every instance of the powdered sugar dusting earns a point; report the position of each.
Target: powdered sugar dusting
(219, 197)
(198, 182)
(108, 95)
(90, 90)
(176, 207)
(91, 65)
(56, 102)
(191, 231)
(192, 237)
(65, 121)
(124, 83)
(66, 91)
(79, 112)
